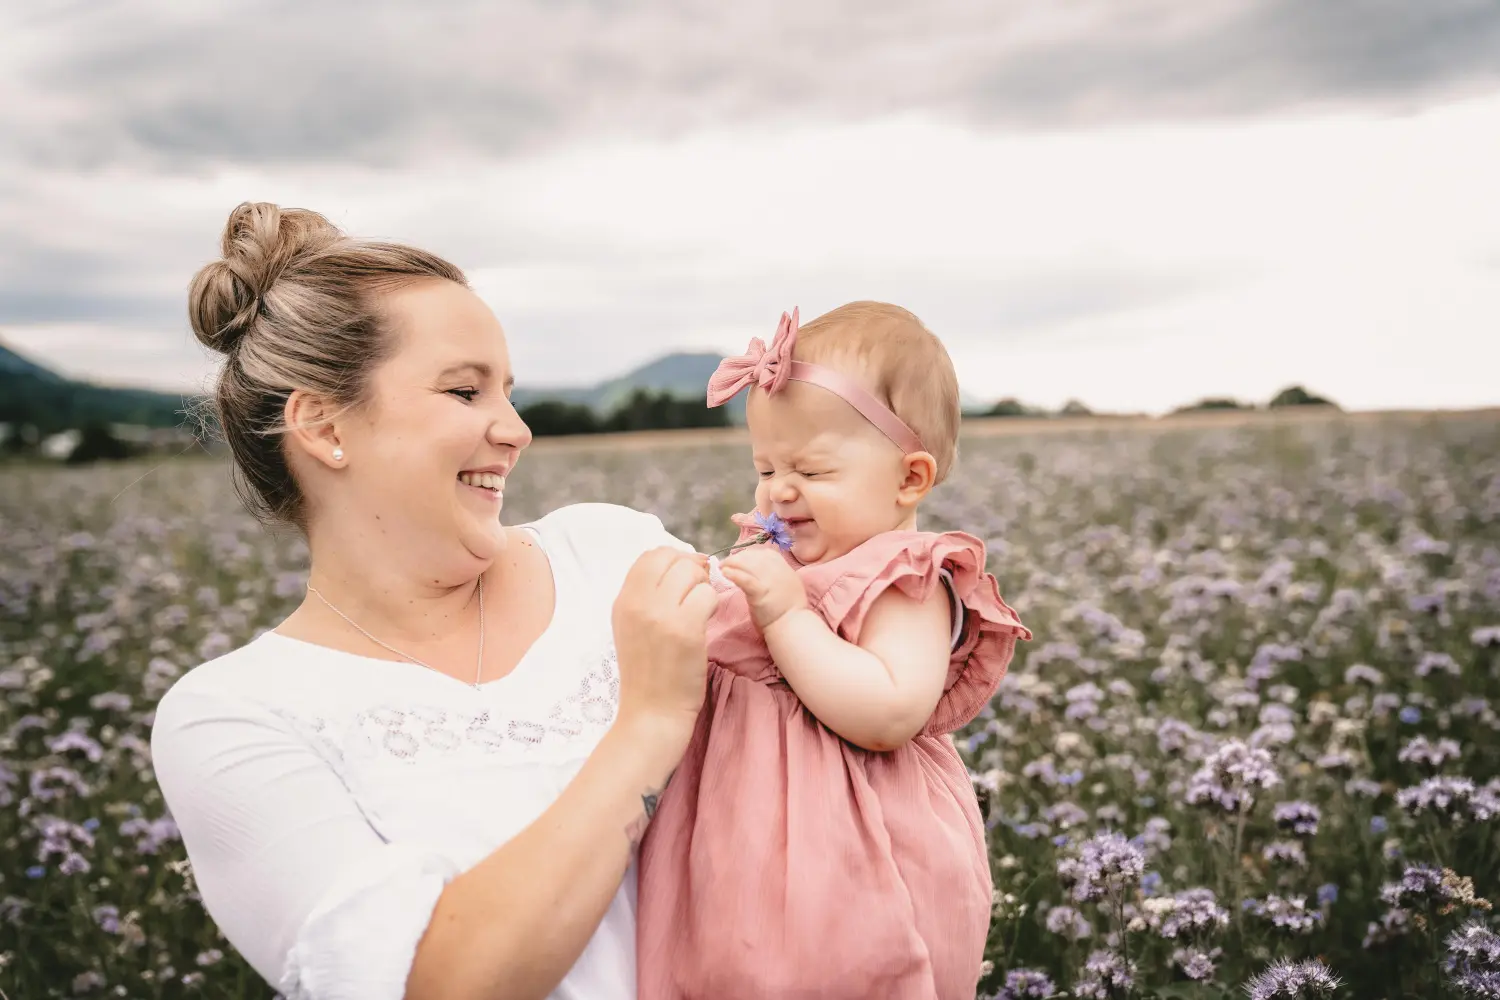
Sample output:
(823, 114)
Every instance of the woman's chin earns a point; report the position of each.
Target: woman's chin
(485, 538)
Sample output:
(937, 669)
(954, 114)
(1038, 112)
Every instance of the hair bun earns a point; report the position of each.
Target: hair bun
(261, 242)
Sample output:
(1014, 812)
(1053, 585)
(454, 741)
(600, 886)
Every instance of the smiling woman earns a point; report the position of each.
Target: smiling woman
(359, 825)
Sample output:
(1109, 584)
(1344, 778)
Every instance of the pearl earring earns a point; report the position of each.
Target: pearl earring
(338, 454)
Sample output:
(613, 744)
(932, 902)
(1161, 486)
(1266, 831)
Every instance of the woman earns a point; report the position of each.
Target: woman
(429, 781)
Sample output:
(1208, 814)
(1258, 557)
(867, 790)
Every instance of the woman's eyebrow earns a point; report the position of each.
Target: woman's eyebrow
(478, 368)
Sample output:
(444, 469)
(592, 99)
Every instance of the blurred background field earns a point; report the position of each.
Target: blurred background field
(1267, 654)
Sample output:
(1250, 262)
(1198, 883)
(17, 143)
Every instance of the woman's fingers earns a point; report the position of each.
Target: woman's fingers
(681, 577)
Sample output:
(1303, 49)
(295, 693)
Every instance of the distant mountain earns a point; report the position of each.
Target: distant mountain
(684, 375)
(33, 394)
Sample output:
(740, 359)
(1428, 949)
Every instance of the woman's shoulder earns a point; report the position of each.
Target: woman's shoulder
(603, 536)
(231, 685)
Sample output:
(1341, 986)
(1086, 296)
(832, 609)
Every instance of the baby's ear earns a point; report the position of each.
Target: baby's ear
(918, 476)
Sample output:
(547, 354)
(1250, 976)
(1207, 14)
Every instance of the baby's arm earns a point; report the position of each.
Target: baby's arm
(878, 694)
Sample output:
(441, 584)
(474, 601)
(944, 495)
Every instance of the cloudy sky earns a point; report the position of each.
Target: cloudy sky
(1131, 202)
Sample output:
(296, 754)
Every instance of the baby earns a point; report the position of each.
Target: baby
(821, 837)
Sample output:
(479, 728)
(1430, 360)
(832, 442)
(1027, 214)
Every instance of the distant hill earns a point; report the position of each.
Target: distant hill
(681, 374)
(33, 394)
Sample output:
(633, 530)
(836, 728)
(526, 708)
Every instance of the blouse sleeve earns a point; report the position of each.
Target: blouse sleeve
(288, 867)
(916, 563)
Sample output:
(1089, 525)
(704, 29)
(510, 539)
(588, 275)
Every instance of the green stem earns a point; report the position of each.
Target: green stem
(741, 545)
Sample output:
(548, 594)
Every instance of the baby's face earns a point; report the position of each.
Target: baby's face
(830, 475)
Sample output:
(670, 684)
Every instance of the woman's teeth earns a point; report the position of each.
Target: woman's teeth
(484, 480)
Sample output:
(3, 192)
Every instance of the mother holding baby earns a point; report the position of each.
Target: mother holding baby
(432, 779)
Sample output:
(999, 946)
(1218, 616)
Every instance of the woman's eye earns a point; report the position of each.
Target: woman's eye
(467, 395)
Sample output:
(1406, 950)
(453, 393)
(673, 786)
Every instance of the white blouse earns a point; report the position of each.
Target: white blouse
(326, 798)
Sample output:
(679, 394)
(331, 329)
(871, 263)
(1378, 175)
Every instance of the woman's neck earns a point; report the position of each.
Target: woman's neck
(394, 602)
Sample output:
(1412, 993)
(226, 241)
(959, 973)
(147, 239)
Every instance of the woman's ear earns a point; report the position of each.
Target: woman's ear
(918, 476)
(310, 427)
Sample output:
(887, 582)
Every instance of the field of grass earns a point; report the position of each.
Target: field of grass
(1258, 723)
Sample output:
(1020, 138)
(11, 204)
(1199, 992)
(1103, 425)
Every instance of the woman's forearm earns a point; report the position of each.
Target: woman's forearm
(513, 925)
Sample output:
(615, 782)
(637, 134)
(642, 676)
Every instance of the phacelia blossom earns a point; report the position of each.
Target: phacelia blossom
(1299, 818)
(1026, 984)
(1283, 980)
(1104, 975)
(1289, 914)
(1473, 961)
(1229, 776)
(1191, 911)
(1102, 866)
(1430, 754)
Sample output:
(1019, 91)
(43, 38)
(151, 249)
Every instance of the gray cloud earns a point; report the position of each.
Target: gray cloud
(386, 82)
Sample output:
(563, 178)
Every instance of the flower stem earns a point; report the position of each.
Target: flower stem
(762, 537)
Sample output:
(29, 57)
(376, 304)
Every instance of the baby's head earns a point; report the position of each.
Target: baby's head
(825, 467)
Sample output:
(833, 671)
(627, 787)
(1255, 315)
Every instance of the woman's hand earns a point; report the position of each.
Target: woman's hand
(772, 588)
(660, 624)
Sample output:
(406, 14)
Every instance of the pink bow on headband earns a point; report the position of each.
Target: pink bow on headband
(767, 368)
(770, 368)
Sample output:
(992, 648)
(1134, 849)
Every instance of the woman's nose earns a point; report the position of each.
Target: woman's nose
(508, 429)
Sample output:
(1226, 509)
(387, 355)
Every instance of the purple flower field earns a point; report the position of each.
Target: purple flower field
(1254, 749)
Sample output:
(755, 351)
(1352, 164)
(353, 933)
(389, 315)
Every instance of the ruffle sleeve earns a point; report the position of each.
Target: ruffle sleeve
(912, 561)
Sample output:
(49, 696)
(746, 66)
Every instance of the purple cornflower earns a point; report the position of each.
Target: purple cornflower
(1473, 962)
(772, 529)
(1228, 776)
(1411, 715)
(1328, 894)
(1283, 980)
(1104, 864)
(1433, 755)
(775, 530)
(1285, 913)
(1195, 963)
(1026, 984)
(1301, 818)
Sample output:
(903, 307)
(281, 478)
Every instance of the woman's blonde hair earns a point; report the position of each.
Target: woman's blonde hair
(901, 362)
(292, 304)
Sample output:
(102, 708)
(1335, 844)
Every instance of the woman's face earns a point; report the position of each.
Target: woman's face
(426, 458)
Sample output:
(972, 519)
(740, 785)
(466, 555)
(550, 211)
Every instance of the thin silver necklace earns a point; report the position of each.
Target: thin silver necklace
(478, 667)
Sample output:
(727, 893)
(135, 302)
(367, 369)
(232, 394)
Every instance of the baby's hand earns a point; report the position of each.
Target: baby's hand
(771, 586)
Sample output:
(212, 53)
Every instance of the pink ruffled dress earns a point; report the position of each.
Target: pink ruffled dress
(786, 862)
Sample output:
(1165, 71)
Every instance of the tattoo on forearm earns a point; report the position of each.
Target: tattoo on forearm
(649, 801)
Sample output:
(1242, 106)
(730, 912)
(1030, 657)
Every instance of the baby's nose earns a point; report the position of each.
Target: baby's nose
(782, 491)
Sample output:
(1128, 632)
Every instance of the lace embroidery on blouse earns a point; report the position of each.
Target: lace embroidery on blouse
(409, 732)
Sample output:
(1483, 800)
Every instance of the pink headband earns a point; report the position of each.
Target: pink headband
(770, 368)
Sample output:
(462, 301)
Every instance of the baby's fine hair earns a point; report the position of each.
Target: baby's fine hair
(899, 360)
